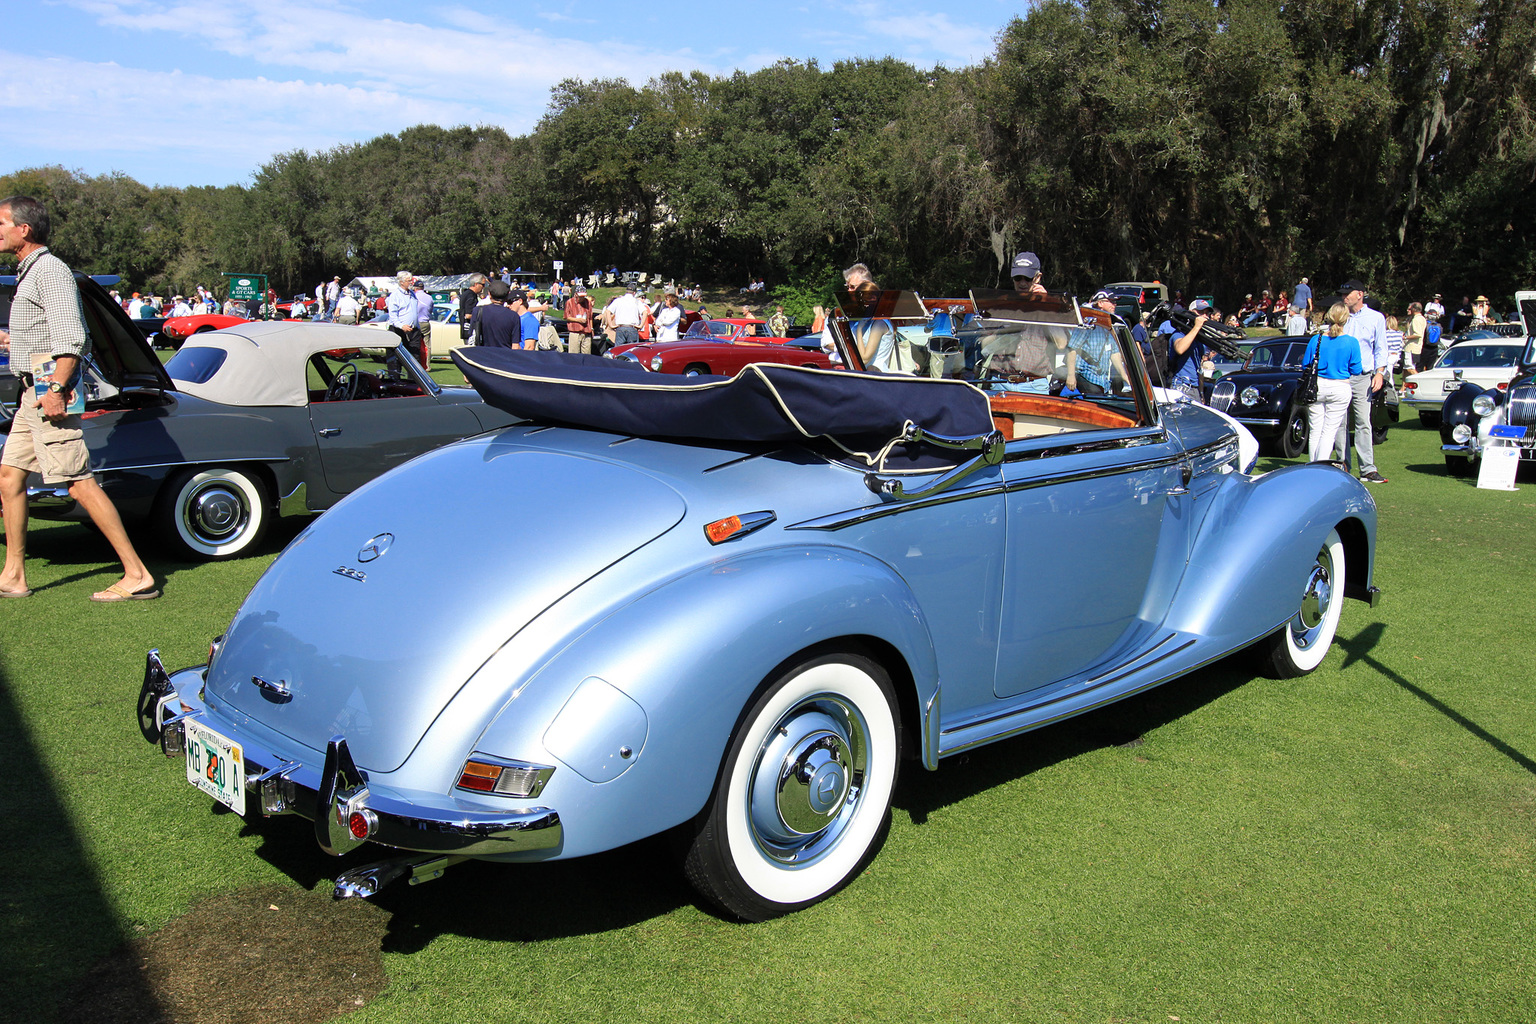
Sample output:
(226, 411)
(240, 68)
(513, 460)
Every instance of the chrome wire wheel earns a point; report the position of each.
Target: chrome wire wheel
(803, 800)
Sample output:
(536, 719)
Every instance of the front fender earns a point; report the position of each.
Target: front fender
(1249, 566)
(691, 655)
(1457, 409)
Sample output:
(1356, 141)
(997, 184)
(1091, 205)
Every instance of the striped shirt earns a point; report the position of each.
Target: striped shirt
(45, 312)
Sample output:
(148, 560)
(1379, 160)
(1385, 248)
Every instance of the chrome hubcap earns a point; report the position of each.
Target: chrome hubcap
(808, 779)
(216, 512)
(1315, 602)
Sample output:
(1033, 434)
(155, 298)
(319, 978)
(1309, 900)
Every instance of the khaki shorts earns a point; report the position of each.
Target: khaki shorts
(56, 450)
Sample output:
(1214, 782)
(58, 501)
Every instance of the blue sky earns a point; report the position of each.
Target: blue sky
(202, 92)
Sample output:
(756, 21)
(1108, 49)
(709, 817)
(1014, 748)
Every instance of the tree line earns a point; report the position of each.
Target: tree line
(1219, 146)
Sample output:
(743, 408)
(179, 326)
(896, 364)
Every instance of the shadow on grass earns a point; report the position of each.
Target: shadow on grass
(55, 920)
(1359, 649)
(1120, 724)
(496, 902)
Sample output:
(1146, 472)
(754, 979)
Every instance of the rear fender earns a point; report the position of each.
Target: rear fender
(690, 656)
(1256, 546)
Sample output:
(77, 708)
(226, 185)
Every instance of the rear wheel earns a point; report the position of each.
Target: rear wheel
(803, 799)
(213, 514)
(1299, 645)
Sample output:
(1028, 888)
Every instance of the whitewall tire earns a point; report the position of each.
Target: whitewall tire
(1300, 645)
(212, 514)
(803, 799)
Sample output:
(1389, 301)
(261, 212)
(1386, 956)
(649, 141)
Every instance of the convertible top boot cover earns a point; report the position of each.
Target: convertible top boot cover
(374, 618)
(765, 402)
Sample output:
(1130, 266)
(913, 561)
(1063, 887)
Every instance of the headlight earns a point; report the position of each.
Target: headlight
(1461, 433)
(1250, 396)
(656, 362)
(1483, 405)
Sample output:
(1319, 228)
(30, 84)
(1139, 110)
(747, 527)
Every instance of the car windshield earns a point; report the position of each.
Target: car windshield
(1473, 354)
(1273, 357)
(711, 329)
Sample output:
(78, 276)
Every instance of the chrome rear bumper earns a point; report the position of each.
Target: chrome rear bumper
(336, 796)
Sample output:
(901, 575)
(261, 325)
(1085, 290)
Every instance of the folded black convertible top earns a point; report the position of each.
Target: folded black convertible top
(765, 402)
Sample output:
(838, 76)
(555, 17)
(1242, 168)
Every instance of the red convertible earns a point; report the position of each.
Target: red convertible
(178, 329)
(723, 347)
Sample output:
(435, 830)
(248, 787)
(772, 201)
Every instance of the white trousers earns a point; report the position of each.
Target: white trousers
(1325, 415)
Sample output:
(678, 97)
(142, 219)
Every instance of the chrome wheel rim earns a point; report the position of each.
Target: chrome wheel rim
(808, 780)
(216, 512)
(1315, 602)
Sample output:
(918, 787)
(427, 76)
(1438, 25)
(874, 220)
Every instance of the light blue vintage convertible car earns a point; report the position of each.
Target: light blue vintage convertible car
(793, 582)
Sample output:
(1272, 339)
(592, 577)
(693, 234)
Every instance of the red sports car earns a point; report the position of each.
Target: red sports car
(723, 347)
(179, 328)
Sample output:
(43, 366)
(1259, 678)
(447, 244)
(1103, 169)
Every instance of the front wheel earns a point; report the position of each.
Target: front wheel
(695, 370)
(1429, 419)
(1299, 645)
(1294, 436)
(1458, 465)
(213, 514)
(803, 799)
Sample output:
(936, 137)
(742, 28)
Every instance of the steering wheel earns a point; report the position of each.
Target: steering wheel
(344, 385)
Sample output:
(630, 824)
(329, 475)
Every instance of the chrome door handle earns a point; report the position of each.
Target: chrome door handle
(1186, 473)
(329, 431)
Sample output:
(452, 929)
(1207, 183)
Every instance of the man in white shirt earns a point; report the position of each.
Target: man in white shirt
(1370, 327)
(626, 312)
(1434, 308)
(1296, 320)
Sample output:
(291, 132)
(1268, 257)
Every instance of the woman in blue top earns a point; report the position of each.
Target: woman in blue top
(1338, 357)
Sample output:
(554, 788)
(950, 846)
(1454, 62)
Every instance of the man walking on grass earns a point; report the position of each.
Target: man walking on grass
(45, 438)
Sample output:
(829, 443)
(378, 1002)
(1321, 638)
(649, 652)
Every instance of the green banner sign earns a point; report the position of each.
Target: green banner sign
(244, 288)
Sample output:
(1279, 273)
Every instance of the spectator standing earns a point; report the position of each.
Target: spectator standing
(778, 323)
(626, 312)
(423, 324)
(44, 437)
(1370, 327)
(402, 306)
(1338, 362)
(1301, 296)
(578, 321)
(1480, 312)
(1296, 321)
(1434, 309)
(1185, 352)
(469, 298)
(494, 325)
(528, 320)
(332, 298)
(1413, 340)
(1394, 347)
(668, 317)
(347, 309)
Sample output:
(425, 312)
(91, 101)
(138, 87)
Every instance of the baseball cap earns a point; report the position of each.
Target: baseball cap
(1199, 306)
(1100, 296)
(581, 289)
(1025, 264)
(1354, 284)
(498, 289)
(631, 287)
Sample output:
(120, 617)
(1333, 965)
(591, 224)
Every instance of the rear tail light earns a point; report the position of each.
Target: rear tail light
(502, 777)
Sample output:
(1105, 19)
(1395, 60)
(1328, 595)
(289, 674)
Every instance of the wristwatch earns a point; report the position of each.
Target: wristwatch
(55, 388)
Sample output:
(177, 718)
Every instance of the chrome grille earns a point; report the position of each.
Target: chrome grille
(1522, 406)
(1222, 395)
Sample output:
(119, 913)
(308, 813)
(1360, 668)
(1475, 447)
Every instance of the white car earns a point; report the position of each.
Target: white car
(1489, 362)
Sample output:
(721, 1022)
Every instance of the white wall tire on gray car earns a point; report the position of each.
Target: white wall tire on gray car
(1300, 645)
(803, 800)
(212, 514)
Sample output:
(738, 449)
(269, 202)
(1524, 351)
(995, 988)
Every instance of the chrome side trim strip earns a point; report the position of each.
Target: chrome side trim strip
(295, 502)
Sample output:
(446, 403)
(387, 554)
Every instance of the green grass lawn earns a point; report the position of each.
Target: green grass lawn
(1356, 845)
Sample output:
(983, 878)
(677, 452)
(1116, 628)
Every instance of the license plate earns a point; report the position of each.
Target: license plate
(216, 766)
(1451, 385)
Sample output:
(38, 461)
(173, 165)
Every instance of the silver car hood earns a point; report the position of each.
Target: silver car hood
(375, 616)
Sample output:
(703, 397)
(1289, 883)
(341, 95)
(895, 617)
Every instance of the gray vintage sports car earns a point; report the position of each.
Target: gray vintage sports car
(253, 421)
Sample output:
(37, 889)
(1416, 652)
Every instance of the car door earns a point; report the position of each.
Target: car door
(365, 437)
(1097, 537)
